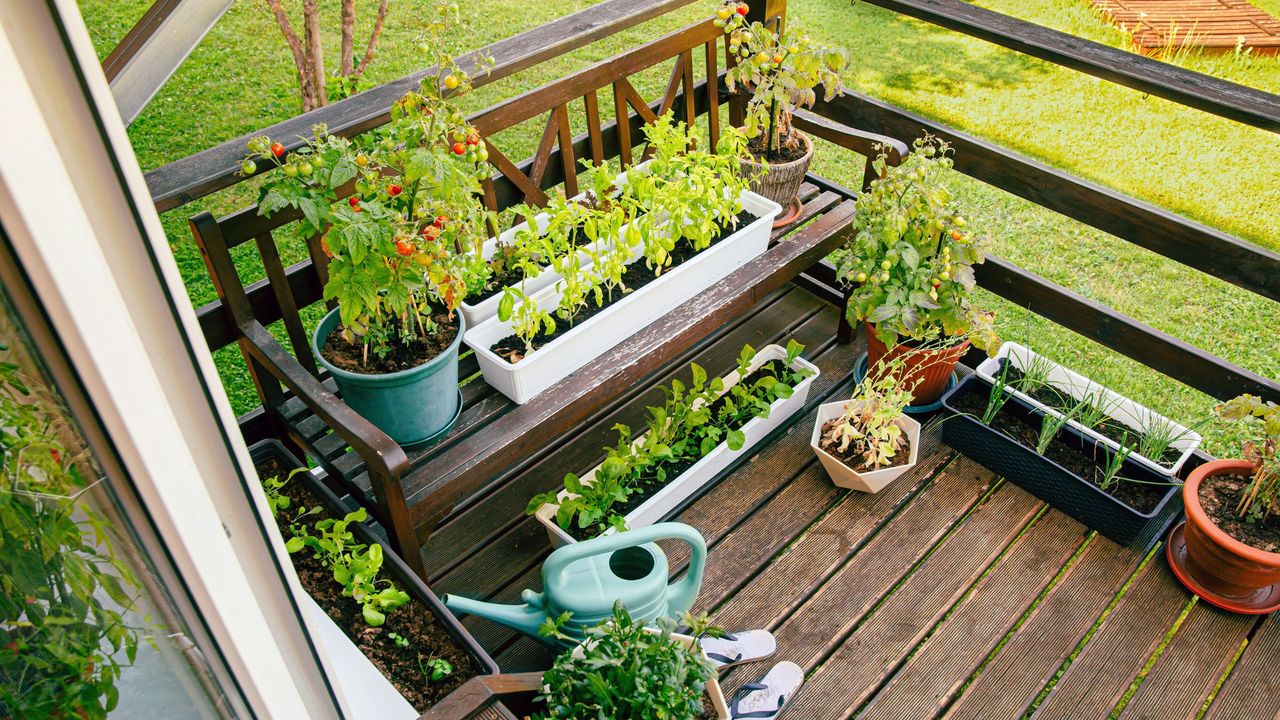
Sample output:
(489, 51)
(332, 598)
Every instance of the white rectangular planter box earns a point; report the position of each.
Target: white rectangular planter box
(662, 503)
(868, 481)
(1121, 409)
(588, 340)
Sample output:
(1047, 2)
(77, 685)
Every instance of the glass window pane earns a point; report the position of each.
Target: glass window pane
(87, 627)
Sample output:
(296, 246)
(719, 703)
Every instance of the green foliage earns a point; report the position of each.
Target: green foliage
(683, 198)
(692, 421)
(408, 241)
(355, 565)
(624, 671)
(65, 639)
(781, 70)
(1259, 499)
(911, 262)
(871, 426)
(1050, 425)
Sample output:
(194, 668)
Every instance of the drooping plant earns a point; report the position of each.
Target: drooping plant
(407, 244)
(870, 428)
(910, 263)
(1259, 499)
(627, 671)
(782, 70)
(64, 634)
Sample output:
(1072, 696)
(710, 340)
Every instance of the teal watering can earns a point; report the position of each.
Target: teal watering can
(586, 578)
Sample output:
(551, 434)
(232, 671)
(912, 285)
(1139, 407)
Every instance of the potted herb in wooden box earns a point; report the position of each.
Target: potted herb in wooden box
(375, 600)
(698, 432)
(1159, 443)
(1081, 476)
(403, 249)
(677, 226)
(867, 441)
(781, 71)
(626, 671)
(910, 266)
(1228, 551)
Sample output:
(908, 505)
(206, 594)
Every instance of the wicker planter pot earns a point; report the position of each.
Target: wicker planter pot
(780, 182)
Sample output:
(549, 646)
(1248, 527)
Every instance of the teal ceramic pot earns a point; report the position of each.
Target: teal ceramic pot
(411, 406)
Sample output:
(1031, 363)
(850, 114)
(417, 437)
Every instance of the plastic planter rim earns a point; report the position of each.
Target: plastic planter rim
(390, 378)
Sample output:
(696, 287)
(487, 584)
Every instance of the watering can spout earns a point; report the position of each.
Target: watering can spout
(525, 618)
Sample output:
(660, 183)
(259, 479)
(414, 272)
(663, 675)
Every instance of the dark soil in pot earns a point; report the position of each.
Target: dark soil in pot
(1109, 428)
(1219, 495)
(649, 485)
(637, 276)
(853, 459)
(708, 707)
(350, 354)
(1141, 497)
(784, 154)
(403, 666)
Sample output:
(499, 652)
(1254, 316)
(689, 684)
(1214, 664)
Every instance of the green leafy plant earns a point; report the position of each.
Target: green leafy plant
(691, 422)
(1115, 462)
(1157, 437)
(435, 669)
(1050, 425)
(625, 671)
(910, 263)
(781, 70)
(407, 244)
(997, 396)
(1259, 499)
(65, 637)
(870, 427)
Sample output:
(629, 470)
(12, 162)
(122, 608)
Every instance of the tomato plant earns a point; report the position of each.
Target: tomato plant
(911, 260)
(782, 71)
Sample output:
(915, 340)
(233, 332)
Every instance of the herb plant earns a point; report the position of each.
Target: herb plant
(782, 71)
(692, 421)
(406, 245)
(1050, 425)
(910, 263)
(66, 637)
(869, 428)
(625, 671)
(1259, 499)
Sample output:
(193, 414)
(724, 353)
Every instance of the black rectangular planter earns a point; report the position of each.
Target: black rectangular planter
(1051, 482)
(392, 563)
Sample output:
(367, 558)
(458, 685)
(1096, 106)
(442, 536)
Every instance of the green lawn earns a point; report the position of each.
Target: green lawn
(1214, 171)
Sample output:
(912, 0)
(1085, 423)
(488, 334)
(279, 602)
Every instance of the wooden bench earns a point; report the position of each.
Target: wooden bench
(411, 492)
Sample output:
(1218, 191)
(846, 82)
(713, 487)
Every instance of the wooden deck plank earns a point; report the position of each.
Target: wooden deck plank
(1026, 663)
(1211, 24)
(1104, 669)
(925, 685)
(1253, 688)
(1190, 666)
(861, 661)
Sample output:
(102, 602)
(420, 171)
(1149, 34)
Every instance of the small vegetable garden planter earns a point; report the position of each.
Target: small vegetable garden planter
(1052, 388)
(581, 343)
(864, 480)
(409, 645)
(662, 502)
(1076, 473)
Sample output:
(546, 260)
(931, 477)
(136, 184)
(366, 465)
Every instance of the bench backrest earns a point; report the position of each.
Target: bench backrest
(286, 291)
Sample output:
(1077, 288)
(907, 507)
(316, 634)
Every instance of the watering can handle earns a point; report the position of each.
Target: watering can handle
(563, 556)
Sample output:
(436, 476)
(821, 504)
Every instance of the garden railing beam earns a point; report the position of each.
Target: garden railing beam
(1203, 92)
(195, 176)
(1195, 245)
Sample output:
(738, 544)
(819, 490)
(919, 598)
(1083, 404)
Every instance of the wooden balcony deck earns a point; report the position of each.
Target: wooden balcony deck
(951, 593)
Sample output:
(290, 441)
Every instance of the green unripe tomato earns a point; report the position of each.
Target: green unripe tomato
(885, 265)
(305, 169)
(318, 161)
(861, 277)
(884, 277)
(248, 167)
(944, 276)
(290, 170)
(718, 22)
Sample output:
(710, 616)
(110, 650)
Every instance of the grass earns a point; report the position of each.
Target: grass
(1208, 169)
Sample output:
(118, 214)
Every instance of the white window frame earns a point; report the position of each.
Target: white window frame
(74, 206)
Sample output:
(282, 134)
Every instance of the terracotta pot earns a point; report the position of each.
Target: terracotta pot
(781, 181)
(928, 368)
(1221, 564)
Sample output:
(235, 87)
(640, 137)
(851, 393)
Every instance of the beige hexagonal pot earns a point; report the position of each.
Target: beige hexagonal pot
(842, 475)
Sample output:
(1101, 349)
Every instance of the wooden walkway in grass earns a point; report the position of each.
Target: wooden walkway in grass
(1211, 24)
(951, 593)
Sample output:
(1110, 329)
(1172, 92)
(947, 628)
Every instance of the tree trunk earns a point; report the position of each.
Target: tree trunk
(315, 53)
(347, 66)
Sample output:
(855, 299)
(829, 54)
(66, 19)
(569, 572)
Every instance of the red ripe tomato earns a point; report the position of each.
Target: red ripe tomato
(404, 247)
(277, 149)
(440, 221)
(353, 201)
(957, 235)
(473, 139)
(394, 190)
(430, 232)
(459, 148)
(743, 9)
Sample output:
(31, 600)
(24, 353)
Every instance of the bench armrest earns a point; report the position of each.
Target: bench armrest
(377, 449)
(860, 141)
